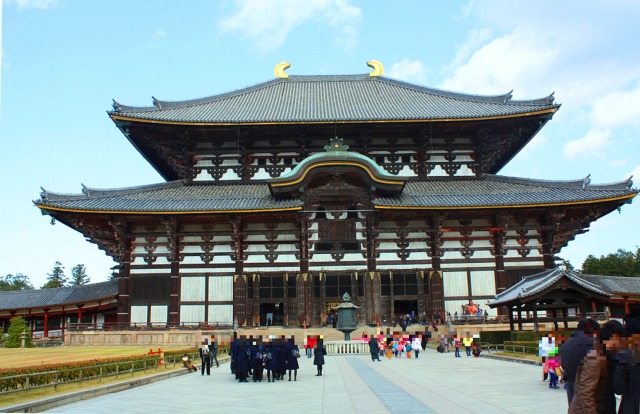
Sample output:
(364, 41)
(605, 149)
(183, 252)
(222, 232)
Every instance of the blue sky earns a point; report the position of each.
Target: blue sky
(63, 61)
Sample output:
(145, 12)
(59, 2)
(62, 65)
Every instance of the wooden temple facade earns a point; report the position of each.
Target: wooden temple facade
(280, 197)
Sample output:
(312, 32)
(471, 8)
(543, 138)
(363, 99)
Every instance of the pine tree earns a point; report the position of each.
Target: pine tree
(16, 328)
(17, 282)
(56, 278)
(79, 275)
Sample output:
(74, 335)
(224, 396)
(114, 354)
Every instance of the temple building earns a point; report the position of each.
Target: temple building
(280, 197)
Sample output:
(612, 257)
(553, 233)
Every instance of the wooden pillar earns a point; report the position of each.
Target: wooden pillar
(555, 318)
(79, 314)
(46, 323)
(240, 298)
(174, 293)
(256, 300)
(322, 320)
(536, 327)
(565, 315)
(124, 287)
(372, 297)
(519, 317)
(285, 310)
(511, 324)
(304, 286)
(436, 289)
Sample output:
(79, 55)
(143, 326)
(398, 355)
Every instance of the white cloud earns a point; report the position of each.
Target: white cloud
(269, 22)
(35, 4)
(592, 144)
(617, 109)
(617, 163)
(512, 61)
(408, 70)
(159, 34)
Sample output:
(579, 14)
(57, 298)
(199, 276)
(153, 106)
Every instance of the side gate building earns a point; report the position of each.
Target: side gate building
(280, 197)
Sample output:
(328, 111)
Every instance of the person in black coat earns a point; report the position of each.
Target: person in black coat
(281, 360)
(575, 349)
(293, 353)
(269, 361)
(318, 356)
(205, 357)
(626, 381)
(242, 365)
(374, 349)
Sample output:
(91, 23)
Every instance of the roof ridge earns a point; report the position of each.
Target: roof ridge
(584, 183)
(505, 98)
(88, 192)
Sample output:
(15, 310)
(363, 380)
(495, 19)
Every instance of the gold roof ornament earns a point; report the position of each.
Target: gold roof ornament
(278, 72)
(378, 69)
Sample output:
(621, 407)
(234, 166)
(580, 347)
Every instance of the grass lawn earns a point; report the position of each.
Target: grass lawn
(13, 357)
(26, 357)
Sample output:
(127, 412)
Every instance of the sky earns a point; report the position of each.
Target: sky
(64, 61)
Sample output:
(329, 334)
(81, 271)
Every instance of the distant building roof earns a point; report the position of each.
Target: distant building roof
(617, 285)
(70, 295)
(341, 98)
(489, 191)
(531, 286)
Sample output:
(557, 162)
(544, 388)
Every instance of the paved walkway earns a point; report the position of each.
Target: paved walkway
(434, 383)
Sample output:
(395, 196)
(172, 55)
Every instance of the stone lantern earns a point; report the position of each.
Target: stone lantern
(347, 319)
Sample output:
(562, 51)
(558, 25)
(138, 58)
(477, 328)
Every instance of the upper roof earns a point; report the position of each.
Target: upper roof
(530, 286)
(488, 191)
(333, 98)
(70, 295)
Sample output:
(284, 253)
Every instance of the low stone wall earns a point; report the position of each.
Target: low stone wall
(171, 337)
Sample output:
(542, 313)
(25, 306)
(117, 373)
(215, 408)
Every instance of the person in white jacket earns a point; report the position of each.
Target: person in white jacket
(416, 345)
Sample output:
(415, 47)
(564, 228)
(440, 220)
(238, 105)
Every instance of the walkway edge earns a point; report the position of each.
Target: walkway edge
(511, 359)
(46, 404)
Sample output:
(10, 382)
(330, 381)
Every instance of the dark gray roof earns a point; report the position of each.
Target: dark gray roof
(494, 190)
(174, 196)
(615, 284)
(25, 299)
(490, 191)
(531, 285)
(333, 98)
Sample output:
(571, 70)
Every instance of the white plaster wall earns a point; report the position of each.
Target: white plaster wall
(192, 289)
(139, 314)
(220, 288)
(159, 314)
(191, 314)
(220, 313)
(455, 283)
(483, 282)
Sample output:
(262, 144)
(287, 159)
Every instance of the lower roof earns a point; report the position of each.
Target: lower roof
(56, 297)
(489, 191)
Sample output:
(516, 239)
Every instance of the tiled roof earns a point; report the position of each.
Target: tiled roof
(333, 98)
(534, 284)
(494, 190)
(490, 191)
(25, 299)
(174, 196)
(615, 284)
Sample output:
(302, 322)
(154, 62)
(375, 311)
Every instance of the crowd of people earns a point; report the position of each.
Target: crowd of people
(595, 364)
(252, 356)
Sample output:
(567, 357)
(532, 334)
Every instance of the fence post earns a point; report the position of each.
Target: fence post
(100, 377)
(80, 380)
(133, 368)
(28, 383)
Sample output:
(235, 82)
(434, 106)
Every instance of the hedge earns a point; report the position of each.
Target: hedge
(495, 337)
(81, 370)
